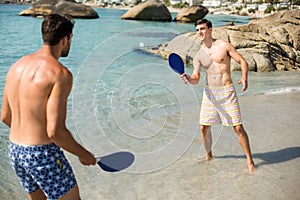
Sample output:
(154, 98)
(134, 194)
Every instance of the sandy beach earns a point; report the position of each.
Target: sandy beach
(273, 128)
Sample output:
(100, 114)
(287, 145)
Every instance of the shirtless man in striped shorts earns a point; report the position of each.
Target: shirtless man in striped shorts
(220, 103)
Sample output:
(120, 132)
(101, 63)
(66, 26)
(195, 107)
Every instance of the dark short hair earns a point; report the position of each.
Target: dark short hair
(55, 27)
(204, 21)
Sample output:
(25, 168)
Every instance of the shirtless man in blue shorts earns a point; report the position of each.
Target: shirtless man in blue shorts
(34, 108)
(219, 103)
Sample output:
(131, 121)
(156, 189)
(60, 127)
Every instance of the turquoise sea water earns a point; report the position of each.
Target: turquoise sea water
(123, 98)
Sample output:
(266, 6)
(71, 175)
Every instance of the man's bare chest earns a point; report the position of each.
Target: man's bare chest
(213, 56)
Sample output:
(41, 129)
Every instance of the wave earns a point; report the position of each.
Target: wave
(286, 90)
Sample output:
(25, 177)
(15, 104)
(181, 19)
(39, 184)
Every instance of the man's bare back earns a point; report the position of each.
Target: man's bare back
(36, 95)
(29, 84)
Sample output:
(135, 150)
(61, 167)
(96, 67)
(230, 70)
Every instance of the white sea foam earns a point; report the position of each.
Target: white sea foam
(285, 90)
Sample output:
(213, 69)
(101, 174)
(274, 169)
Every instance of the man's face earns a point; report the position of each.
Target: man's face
(66, 49)
(203, 31)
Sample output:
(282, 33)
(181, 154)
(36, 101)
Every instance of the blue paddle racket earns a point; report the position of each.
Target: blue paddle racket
(176, 63)
(116, 161)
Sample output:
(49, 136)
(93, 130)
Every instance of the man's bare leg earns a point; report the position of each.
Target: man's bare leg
(244, 142)
(207, 141)
(73, 194)
(37, 195)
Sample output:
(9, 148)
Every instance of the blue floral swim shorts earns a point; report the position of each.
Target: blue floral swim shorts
(44, 167)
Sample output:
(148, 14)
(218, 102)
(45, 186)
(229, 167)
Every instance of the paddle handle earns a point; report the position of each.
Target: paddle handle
(98, 159)
(186, 81)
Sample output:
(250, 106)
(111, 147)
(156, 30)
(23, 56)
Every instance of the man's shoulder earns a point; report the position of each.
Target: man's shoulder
(225, 45)
(50, 64)
(221, 42)
(45, 64)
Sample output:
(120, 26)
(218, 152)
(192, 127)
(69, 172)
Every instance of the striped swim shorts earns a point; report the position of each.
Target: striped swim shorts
(220, 106)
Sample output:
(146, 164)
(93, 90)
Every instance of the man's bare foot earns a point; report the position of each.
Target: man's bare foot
(208, 156)
(251, 167)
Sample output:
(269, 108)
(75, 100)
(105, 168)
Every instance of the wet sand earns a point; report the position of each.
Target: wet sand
(272, 123)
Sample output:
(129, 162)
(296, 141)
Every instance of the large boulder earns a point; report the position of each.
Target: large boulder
(268, 44)
(45, 7)
(191, 14)
(152, 10)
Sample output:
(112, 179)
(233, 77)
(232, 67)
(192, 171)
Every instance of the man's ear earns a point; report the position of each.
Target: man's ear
(64, 40)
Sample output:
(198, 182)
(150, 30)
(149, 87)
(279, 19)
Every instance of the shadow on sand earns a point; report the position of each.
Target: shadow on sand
(272, 157)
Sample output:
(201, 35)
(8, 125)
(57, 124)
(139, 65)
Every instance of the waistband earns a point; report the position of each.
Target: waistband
(224, 88)
(33, 147)
(219, 87)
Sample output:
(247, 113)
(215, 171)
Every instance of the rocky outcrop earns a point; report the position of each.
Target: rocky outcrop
(152, 10)
(45, 7)
(268, 44)
(191, 14)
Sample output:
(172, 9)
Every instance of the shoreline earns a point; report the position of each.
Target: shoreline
(269, 122)
(275, 148)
